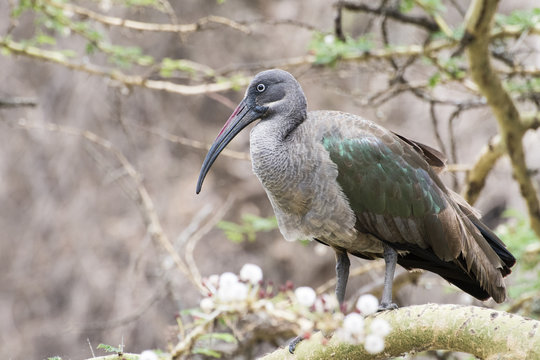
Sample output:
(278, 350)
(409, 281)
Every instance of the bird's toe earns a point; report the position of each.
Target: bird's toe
(294, 342)
(387, 306)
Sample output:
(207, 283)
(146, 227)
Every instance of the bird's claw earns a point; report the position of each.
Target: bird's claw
(387, 306)
(294, 342)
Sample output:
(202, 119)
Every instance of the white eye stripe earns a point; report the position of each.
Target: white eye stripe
(261, 87)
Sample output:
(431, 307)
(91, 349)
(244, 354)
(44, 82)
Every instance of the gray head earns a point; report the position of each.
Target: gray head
(273, 95)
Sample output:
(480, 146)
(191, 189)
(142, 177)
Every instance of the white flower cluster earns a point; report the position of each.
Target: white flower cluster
(354, 329)
(307, 297)
(228, 287)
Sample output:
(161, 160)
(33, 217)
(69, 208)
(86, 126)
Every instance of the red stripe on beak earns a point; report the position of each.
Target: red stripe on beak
(239, 108)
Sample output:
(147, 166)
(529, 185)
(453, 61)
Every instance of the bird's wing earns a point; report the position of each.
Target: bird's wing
(396, 195)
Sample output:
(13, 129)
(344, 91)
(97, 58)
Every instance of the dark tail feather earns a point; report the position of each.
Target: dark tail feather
(455, 271)
(497, 245)
(449, 270)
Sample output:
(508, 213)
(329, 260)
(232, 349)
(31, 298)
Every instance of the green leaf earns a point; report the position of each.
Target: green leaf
(434, 79)
(233, 232)
(22, 7)
(110, 349)
(524, 18)
(229, 338)
(328, 50)
(432, 7)
(248, 228)
(45, 39)
(207, 352)
(406, 6)
(145, 60)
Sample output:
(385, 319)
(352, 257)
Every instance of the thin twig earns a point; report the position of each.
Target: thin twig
(338, 25)
(144, 201)
(195, 144)
(194, 239)
(13, 102)
(435, 123)
(201, 24)
(395, 14)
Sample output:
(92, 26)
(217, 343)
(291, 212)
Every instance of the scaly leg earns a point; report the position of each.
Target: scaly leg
(342, 275)
(390, 259)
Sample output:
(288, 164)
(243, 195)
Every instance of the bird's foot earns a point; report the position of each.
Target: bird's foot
(294, 342)
(387, 306)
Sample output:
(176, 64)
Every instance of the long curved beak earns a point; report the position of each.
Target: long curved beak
(242, 116)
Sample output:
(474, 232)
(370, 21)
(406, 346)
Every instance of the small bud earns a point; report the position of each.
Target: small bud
(329, 39)
(207, 305)
(233, 292)
(289, 285)
(374, 344)
(380, 327)
(367, 304)
(227, 279)
(354, 324)
(305, 295)
(251, 273)
(148, 355)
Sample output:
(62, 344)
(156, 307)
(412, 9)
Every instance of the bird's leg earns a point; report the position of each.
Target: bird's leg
(342, 275)
(390, 259)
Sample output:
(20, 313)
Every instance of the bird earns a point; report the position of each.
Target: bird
(362, 190)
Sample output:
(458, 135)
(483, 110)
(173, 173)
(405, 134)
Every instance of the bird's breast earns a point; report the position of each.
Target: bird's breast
(301, 183)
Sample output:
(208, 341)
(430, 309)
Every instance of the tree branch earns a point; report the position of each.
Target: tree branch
(60, 58)
(478, 26)
(493, 151)
(485, 333)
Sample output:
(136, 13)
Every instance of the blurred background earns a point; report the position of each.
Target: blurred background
(77, 264)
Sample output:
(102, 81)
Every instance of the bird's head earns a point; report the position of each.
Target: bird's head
(270, 92)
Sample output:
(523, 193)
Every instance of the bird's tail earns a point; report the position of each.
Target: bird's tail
(482, 263)
(485, 254)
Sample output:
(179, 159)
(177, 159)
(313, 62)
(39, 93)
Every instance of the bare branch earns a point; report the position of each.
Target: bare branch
(493, 151)
(435, 123)
(13, 102)
(395, 14)
(201, 24)
(478, 25)
(238, 155)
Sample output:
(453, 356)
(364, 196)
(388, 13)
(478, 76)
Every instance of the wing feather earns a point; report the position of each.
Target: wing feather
(392, 186)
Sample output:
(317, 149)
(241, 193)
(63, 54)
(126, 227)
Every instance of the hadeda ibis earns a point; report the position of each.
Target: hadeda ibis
(363, 190)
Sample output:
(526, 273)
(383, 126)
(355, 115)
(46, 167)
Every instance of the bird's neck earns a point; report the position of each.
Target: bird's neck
(270, 146)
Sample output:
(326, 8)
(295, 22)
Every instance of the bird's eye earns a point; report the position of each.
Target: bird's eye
(261, 87)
